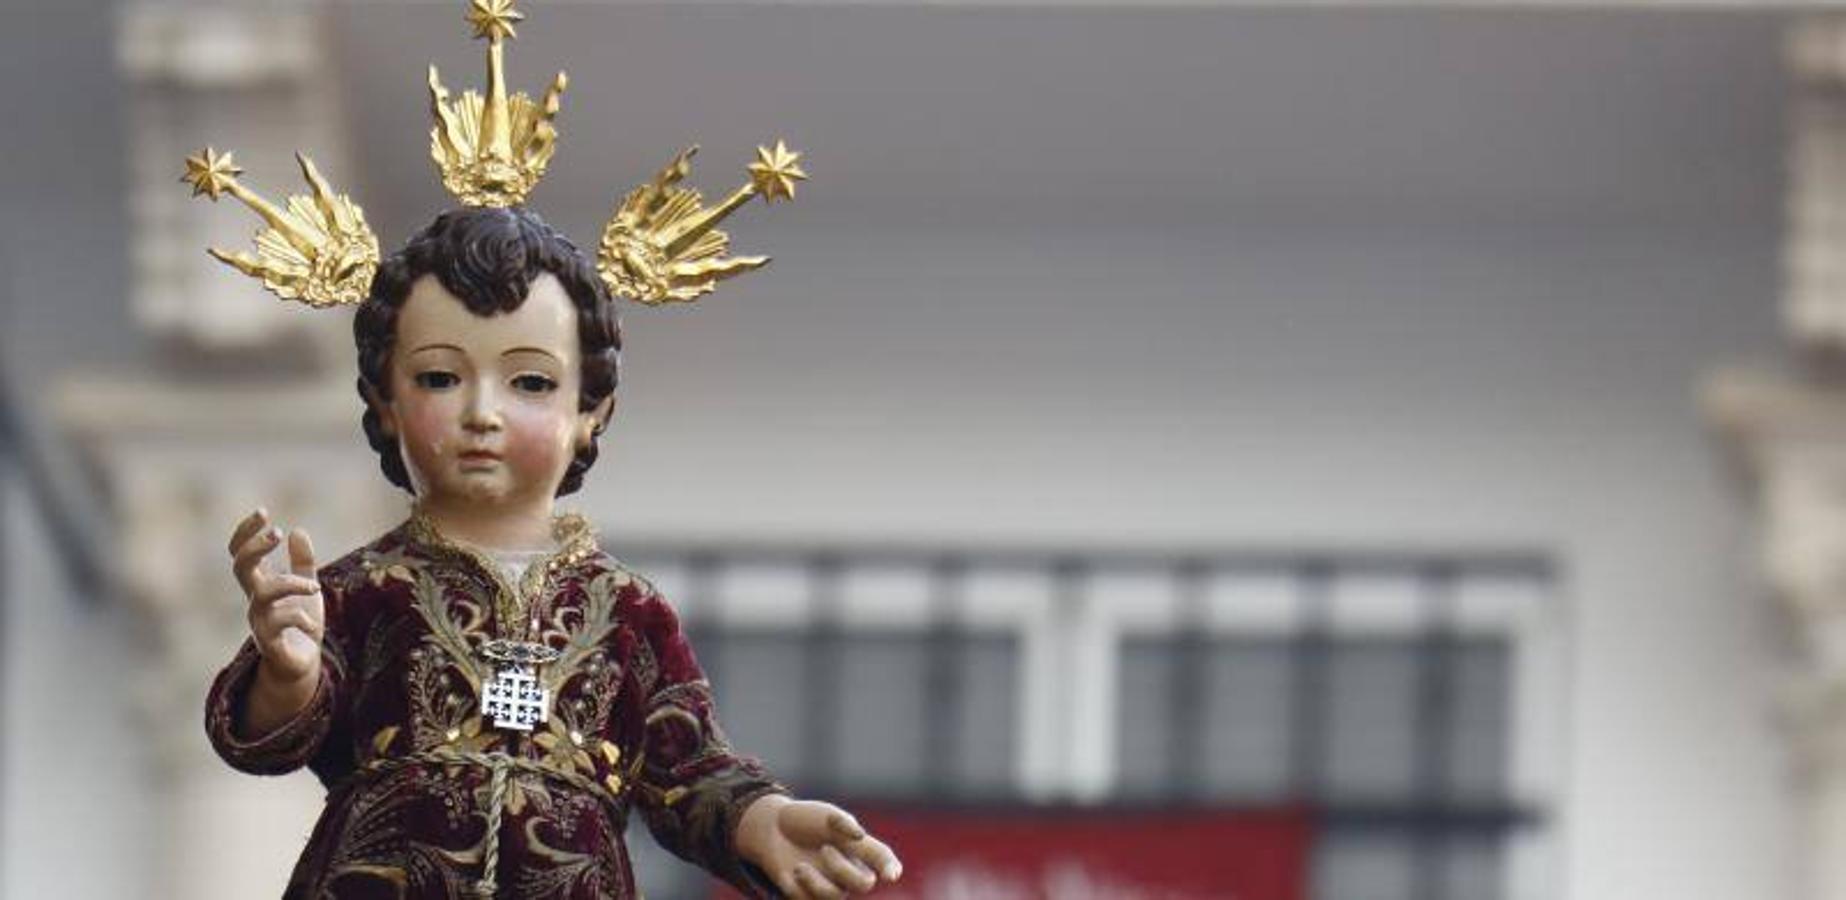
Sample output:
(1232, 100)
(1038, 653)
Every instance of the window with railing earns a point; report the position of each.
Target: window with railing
(1406, 704)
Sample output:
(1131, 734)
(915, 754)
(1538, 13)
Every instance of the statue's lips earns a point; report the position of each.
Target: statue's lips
(479, 456)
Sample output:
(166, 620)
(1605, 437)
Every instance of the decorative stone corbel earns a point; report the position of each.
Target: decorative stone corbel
(1785, 428)
(256, 78)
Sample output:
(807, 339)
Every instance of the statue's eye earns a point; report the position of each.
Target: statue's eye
(436, 379)
(534, 384)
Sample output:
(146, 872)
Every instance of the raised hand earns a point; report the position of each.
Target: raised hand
(285, 610)
(813, 850)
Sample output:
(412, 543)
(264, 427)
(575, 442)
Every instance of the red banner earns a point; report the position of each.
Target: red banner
(1095, 854)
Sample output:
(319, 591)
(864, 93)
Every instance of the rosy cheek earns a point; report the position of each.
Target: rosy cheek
(425, 427)
(425, 434)
(537, 439)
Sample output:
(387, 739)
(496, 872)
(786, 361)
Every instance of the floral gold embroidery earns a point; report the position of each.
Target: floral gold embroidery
(416, 783)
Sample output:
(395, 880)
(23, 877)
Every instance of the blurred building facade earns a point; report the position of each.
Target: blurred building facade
(1186, 408)
(1784, 426)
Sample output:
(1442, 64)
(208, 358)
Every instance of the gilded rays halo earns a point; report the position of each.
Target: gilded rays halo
(663, 245)
(490, 149)
(316, 248)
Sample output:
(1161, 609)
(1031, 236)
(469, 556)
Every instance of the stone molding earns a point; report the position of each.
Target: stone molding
(254, 79)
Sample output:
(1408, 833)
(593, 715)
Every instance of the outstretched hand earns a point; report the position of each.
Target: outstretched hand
(813, 850)
(285, 609)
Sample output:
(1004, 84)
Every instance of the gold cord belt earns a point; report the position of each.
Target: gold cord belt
(499, 764)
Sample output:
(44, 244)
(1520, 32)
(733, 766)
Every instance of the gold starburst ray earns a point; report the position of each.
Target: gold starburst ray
(493, 19)
(318, 250)
(773, 175)
(492, 149)
(663, 244)
(693, 227)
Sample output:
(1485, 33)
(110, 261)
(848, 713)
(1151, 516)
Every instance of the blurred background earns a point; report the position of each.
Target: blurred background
(1181, 450)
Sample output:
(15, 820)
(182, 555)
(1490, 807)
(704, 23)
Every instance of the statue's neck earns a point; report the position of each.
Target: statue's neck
(497, 530)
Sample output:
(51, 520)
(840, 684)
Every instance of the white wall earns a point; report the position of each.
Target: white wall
(1368, 385)
(1366, 382)
(1363, 385)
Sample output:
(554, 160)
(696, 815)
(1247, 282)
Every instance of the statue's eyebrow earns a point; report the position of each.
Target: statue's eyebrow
(437, 347)
(538, 350)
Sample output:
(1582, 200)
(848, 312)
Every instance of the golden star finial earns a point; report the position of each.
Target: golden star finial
(492, 147)
(493, 19)
(774, 173)
(209, 173)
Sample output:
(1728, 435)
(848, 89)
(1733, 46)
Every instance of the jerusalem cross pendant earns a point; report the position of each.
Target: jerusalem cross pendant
(514, 699)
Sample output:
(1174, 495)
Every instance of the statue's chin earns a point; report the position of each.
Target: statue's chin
(483, 490)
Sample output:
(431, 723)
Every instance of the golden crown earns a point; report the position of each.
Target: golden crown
(662, 245)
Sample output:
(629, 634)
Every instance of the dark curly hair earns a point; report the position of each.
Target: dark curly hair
(488, 258)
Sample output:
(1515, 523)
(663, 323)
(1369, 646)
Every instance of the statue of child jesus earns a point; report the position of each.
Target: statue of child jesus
(484, 692)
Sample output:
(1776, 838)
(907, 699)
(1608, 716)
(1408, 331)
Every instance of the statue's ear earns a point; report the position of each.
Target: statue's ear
(591, 423)
(387, 419)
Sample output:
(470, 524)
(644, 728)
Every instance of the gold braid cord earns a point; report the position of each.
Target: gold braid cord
(491, 149)
(500, 767)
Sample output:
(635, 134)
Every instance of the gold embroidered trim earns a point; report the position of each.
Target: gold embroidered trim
(515, 608)
(500, 766)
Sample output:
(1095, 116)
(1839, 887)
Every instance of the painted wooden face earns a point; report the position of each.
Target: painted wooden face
(485, 408)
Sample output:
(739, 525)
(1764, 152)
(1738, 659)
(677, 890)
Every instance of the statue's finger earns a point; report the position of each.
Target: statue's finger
(873, 852)
(276, 587)
(256, 546)
(816, 884)
(844, 825)
(300, 553)
(790, 888)
(848, 872)
(250, 556)
(247, 528)
(282, 617)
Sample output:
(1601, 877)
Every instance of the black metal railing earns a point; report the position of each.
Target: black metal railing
(1425, 815)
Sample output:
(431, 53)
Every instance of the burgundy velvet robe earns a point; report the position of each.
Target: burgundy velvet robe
(631, 725)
